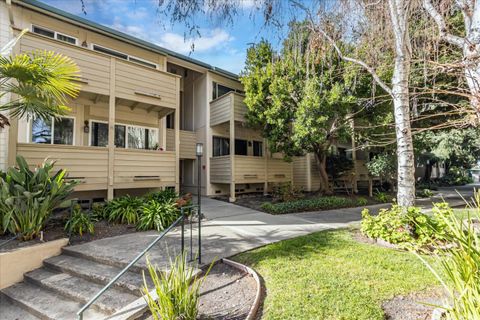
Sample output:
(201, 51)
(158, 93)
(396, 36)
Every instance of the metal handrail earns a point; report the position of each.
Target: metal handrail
(135, 260)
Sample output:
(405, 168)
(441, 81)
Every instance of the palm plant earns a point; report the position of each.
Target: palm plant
(39, 82)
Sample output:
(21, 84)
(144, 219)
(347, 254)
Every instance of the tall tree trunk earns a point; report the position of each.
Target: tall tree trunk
(471, 51)
(321, 158)
(401, 103)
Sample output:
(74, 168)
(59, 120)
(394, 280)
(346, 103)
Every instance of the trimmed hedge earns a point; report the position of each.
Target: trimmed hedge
(323, 203)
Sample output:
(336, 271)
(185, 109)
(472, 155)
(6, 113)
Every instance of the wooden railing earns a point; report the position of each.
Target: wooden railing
(133, 168)
(221, 108)
(188, 140)
(220, 169)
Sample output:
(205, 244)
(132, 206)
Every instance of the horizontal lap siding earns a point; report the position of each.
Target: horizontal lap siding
(94, 68)
(240, 107)
(131, 78)
(279, 170)
(188, 141)
(170, 140)
(300, 172)
(220, 110)
(131, 165)
(220, 169)
(86, 162)
(361, 170)
(249, 169)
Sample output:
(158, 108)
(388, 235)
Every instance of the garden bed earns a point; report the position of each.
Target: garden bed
(257, 202)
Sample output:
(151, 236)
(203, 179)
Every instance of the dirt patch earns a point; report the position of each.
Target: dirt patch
(226, 294)
(255, 200)
(414, 306)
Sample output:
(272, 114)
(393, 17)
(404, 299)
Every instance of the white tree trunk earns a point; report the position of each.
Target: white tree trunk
(471, 57)
(401, 103)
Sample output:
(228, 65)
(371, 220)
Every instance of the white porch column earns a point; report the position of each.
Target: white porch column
(232, 150)
(111, 131)
(177, 137)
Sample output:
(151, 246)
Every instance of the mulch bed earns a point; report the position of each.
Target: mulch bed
(55, 230)
(415, 306)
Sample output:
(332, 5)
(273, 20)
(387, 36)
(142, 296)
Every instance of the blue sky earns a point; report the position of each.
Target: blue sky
(220, 44)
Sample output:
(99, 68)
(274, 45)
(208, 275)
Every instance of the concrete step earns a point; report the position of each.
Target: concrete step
(96, 272)
(9, 310)
(80, 290)
(46, 304)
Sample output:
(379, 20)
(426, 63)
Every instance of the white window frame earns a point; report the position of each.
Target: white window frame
(55, 33)
(90, 122)
(52, 128)
(93, 45)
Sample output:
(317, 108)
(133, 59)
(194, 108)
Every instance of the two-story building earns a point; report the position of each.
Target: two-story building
(139, 114)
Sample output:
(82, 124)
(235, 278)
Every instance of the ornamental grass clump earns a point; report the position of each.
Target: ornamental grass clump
(460, 262)
(28, 197)
(177, 291)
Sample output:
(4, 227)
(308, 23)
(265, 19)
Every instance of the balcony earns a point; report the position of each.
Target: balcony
(228, 105)
(188, 140)
(135, 85)
(249, 169)
(89, 165)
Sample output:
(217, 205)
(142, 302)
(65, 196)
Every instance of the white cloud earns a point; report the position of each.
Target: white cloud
(214, 39)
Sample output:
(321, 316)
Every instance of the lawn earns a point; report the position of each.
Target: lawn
(329, 275)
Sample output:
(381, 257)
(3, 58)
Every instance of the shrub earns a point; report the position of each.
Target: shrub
(28, 197)
(408, 228)
(456, 177)
(125, 209)
(286, 192)
(460, 263)
(382, 197)
(322, 203)
(178, 291)
(158, 215)
(79, 222)
(163, 195)
(98, 211)
(425, 193)
(362, 201)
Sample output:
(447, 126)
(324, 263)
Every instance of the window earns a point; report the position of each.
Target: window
(58, 131)
(241, 147)
(220, 90)
(53, 34)
(257, 149)
(124, 56)
(221, 146)
(125, 136)
(171, 121)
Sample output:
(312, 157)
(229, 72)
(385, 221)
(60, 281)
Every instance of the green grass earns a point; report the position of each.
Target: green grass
(328, 275)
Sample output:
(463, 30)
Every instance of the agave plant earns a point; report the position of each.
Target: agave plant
(41, 81)
(29, 197)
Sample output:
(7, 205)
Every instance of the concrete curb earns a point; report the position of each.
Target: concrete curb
(252, 314)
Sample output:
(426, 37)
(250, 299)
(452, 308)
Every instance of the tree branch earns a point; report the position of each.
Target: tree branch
(442, 26)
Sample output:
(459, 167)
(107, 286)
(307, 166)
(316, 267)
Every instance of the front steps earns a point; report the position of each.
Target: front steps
(65, 283)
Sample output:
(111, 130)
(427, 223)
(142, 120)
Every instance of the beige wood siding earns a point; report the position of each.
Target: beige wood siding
(249, 169)
(300, 172)
(143, 168)
(220, 110)
(239, 107)
(220, 170)
(94, 67)
(86, 164)
(188, 140)
(361, 170)
(279, 170)
(143, 84)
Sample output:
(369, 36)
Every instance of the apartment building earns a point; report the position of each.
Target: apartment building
(139, 114)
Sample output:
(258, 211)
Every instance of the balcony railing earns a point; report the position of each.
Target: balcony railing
(188, 140)
(132, 168)
(221, 109)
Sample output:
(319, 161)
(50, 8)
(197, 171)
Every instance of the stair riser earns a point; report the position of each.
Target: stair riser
(77, 254)
(97, 306)
(99, 280)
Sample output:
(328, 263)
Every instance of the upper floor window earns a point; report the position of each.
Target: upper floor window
(220, 90)
(171, 121)
(241, 147)
(257, 149)
(53, 131)
(124, 56)
(54, 34)
(221, 146)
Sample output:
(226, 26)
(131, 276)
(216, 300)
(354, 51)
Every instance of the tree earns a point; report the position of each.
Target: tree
(39, 83)
(467, 39)
(300, 101)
